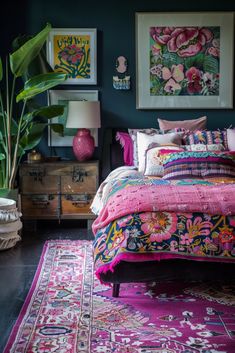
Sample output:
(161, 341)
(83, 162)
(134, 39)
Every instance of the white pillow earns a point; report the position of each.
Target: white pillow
(144, 140)
(231, 139)
(133, 135)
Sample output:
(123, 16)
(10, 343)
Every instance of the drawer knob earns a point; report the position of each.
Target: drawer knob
(79, 200)
(37, 174)
(41, 201)
(78, 175)
(80, 203)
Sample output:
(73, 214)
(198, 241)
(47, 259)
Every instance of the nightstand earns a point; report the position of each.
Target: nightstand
(58, 190)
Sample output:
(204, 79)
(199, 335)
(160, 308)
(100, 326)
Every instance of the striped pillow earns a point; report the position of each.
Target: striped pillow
(207, 164)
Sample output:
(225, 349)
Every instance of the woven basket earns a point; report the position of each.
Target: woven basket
(10, 224)
(8, 240)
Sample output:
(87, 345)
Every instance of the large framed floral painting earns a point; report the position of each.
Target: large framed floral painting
(73, 51)
(184, 60)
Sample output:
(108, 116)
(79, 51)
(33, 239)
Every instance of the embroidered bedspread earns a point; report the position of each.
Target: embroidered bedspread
(145, 219)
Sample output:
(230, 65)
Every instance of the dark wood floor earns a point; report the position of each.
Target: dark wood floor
(18, 266)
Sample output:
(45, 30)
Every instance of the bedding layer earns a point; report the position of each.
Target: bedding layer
(143, 219)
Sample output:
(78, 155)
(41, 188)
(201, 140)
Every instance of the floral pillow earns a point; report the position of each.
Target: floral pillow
(154, 159)
(198, 164)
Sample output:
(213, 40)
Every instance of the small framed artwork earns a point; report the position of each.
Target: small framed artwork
(73, 51)
(185, 60)
(63, 97)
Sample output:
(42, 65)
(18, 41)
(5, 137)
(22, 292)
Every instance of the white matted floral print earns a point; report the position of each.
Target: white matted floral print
(184, 60)
(73, 51)
(63, 97)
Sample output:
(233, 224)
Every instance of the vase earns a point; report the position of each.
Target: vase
(83, 145)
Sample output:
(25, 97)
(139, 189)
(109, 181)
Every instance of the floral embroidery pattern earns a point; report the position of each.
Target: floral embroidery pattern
(160, 225)
(188, 235)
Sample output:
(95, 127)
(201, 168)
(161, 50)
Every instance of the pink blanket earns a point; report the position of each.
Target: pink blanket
(210, 199)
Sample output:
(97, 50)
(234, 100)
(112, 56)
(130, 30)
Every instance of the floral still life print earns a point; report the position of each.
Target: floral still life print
(68, 310)
(72, 55)
(73, 51)
(184, 61)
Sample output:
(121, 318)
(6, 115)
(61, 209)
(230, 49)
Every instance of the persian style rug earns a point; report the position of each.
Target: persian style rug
(68, 311)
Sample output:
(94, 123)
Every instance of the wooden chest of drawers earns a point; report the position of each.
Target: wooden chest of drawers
(58, 190)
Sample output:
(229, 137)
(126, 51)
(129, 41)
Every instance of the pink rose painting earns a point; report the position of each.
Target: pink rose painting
(184, 61)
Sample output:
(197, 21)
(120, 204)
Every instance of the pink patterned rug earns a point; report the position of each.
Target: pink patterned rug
(68, 311)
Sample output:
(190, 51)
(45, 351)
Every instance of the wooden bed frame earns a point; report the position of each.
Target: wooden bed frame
(168, 270)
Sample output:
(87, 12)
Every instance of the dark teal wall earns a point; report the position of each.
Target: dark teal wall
(115, 22)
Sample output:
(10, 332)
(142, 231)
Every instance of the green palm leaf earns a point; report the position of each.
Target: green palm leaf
(40, 84)
(32, 137)
(50, 112)
(22, 57)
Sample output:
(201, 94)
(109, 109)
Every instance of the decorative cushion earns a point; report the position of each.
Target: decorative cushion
(153, 159)
(231, 139)
(198, 164)
(144, 140)
(192, 125)
(133, 135)
(127, 144)
(207, 137)
(202, 147)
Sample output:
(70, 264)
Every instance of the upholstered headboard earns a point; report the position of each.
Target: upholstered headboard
(112, 154)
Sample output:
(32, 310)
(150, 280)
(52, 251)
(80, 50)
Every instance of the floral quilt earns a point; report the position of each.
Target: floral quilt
(156, 235)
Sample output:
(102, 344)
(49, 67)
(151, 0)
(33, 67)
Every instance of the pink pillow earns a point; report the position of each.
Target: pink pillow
(127, 144)
(192, 125)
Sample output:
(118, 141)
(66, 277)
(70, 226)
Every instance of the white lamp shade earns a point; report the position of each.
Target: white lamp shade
(83, 114)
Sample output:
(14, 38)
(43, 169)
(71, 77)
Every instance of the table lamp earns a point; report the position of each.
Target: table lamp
(83, 115)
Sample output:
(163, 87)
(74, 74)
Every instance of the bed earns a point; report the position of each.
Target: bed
(151, 226)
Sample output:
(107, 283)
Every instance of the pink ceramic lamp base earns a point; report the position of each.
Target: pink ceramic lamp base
(83, 145)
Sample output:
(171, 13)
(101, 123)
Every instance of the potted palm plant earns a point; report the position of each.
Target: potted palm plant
(21, 126)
